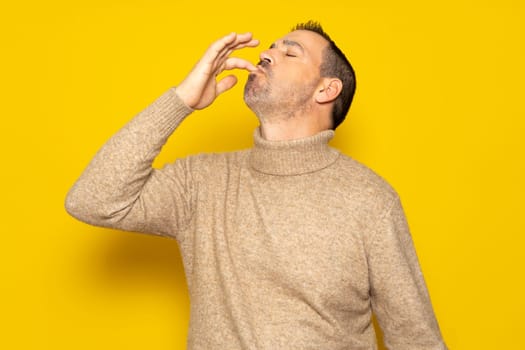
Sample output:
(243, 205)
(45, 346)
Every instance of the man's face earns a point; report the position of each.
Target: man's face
(287, 76)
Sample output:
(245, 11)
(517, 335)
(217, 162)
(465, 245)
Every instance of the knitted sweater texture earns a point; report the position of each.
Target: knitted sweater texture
(287, 245)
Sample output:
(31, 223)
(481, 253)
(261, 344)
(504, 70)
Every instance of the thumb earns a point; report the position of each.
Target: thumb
(226, 83)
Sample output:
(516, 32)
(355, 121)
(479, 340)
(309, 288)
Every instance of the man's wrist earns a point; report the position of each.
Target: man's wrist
(179, 94)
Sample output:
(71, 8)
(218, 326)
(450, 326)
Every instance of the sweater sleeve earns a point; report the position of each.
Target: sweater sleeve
(399, 296)
(120, 188)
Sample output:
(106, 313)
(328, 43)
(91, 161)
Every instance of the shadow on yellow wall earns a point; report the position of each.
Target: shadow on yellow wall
(124, 259)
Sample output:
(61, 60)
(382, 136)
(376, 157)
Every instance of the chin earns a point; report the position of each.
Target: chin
(250, 89)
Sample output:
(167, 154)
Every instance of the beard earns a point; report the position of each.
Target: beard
(273, 101)
(258, 95)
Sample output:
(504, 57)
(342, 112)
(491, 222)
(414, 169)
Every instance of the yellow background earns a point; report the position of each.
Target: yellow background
(439, 112)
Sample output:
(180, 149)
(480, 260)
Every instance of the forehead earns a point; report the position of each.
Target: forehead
(311, 42)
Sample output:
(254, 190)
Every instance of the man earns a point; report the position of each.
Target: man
(287, 245)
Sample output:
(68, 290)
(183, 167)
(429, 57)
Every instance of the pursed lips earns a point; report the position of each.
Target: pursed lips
(262, 66)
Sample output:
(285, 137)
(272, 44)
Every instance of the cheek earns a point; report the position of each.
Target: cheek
(302, 72)
(296, 75)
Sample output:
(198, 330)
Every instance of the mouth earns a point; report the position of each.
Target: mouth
(257, 71)
(262, 66)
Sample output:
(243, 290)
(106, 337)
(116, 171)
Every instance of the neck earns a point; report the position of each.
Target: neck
(293, 157)
(279, 129)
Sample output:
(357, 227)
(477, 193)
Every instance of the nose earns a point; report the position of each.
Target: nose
(266, 57)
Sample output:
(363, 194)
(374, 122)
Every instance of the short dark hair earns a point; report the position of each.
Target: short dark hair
(334, 64)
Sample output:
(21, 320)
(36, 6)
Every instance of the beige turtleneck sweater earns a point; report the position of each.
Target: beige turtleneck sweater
(288, 245)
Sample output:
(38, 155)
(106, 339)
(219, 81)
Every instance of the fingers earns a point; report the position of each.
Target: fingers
(225, 84)
(234, 41)
(222, 48)
(239, 44)
(238, 63)
(229, 81)
(227, 44)
(244, 40)
(200, 88)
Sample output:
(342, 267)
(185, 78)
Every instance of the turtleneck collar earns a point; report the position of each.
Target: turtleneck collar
(292, 157)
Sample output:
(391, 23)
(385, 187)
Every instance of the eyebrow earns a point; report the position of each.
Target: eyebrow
(287, 42)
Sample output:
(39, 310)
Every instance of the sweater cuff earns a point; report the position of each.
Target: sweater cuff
(174, 90)
(170, 111)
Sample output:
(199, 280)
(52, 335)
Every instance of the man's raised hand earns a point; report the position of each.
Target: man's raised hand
(200, 88)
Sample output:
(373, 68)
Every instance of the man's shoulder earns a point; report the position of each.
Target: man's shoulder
(360, 181)
(213, 163)
(218, 158)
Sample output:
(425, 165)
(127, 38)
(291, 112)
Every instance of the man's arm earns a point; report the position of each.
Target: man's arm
(119, 188)
(400, 299)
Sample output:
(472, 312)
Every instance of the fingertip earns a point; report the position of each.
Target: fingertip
(230, 36)
(226, 83)
(247, 36)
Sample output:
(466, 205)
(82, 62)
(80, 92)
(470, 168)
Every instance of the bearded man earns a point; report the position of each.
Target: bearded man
(287, 245)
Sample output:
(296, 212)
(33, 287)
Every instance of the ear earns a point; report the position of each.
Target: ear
(328, 90)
